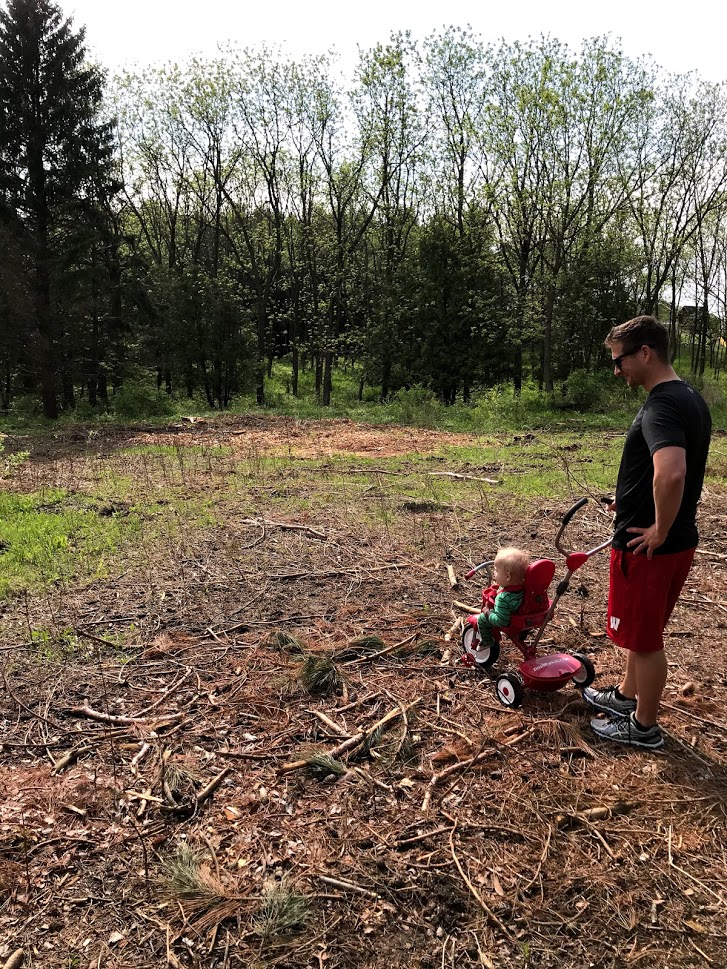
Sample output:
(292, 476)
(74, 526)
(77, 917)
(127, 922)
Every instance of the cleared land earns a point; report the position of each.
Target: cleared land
(166, 800)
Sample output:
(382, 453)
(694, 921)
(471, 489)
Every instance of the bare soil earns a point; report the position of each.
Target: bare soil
(162, 710)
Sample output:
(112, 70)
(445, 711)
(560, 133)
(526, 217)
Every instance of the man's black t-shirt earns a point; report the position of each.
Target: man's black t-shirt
(674, 415)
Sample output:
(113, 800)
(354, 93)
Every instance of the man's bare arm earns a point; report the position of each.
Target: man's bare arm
(670, 472)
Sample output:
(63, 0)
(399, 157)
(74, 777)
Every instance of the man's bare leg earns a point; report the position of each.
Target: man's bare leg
(649, 671)
(627, 686)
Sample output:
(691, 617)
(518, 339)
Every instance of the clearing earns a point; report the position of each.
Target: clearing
(166, 801)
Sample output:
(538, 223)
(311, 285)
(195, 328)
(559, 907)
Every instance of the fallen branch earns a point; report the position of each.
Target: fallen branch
(448, 771)
(451, 576)
(352, 742)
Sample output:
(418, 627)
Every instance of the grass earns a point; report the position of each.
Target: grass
(133, 497)
(47, 537)
(51, 535)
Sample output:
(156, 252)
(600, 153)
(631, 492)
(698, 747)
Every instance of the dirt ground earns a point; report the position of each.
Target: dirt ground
(162, 804)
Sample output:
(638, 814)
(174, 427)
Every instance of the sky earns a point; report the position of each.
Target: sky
(144, 32)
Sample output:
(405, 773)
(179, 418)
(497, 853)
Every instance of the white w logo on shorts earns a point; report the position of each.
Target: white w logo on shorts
(614, 622)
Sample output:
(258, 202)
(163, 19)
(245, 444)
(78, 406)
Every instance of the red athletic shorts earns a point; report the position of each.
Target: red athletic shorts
(641, 596)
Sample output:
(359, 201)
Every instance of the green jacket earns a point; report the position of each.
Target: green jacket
(507, 602)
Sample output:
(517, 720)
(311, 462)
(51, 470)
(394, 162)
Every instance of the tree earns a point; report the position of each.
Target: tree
(55, 160)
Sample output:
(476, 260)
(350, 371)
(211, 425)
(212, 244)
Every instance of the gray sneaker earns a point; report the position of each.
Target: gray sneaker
(607, 701)
(625, 731)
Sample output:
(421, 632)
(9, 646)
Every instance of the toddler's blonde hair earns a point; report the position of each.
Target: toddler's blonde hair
(515, 561)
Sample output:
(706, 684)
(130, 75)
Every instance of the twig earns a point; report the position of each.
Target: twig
(288, 526)
(69, 758)
(460, 477)
(448, 771)
(27, 709)
(407, 842)
(692, 716)
(381, 652)
(80, 631)
(347, 886)
(330, 723)
(712, 555)
(86, 711)
(685, 747)
(543, 856)
(485, 908)
(465, 607)
(139, 756)
(334, 573)
(165, 695)
(209, 790)
(693, 878)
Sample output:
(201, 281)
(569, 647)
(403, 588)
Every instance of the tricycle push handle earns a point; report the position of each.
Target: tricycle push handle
(571, 511)
(564, 523)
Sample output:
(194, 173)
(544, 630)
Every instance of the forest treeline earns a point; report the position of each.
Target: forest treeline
(458, 215)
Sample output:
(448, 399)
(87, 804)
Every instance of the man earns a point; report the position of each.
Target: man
(659, 484)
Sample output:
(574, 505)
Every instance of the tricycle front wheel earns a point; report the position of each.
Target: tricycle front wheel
(483, 656)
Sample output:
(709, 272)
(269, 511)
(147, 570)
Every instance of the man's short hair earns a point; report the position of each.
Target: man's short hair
(639, 332)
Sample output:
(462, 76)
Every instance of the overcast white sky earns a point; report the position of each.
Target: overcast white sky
(156, 31)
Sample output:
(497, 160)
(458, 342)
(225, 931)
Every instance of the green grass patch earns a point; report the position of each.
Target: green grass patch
(47, 537)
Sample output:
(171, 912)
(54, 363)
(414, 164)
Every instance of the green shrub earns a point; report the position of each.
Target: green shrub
(136, 401)
(8, 462)
(25, 408)
(586, 391)
(84, 411)
(417, 405)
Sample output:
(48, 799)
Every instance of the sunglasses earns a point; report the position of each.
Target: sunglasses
(616, 361)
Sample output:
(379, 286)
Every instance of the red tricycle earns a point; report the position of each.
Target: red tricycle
(543, 673)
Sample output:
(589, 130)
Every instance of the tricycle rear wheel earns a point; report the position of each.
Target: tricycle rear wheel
(586, 674)
(509, 688)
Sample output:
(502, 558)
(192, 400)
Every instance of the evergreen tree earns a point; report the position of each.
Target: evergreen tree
(55, 169)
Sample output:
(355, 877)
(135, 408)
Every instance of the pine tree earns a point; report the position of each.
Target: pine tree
(55, 167)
